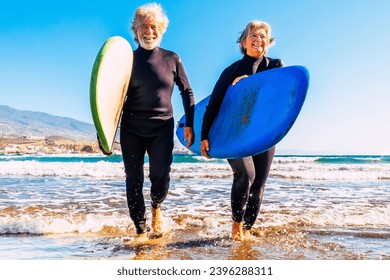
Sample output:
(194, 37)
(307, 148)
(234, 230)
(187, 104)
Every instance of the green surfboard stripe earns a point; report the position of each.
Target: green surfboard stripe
(94, 94)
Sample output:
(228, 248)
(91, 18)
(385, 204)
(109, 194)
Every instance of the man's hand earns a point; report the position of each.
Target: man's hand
(189, 136)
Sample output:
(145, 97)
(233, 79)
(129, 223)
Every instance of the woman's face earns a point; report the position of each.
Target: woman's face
(148, 34)
(256, 43)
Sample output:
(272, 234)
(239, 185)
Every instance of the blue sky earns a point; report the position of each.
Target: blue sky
(48, 48)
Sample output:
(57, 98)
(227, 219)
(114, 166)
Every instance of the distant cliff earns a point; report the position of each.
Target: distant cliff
(18, 123)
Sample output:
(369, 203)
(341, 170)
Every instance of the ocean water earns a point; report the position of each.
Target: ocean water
(55, 207)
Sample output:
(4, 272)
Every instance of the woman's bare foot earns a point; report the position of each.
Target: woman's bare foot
(142, 237)
(156, 221)
(237, 231)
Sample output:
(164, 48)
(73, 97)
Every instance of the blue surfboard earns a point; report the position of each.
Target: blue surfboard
(255, 114)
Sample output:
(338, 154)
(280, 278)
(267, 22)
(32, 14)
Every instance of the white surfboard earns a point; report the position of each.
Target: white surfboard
(108, 87)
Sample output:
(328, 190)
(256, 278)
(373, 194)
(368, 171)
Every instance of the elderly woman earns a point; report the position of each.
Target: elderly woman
(250, 173)
(147, 124)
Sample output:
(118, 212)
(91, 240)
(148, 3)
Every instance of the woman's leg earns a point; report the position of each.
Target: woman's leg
(262, 165)
(243, 176)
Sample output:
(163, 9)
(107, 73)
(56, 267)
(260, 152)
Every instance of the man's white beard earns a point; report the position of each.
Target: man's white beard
(149, 45)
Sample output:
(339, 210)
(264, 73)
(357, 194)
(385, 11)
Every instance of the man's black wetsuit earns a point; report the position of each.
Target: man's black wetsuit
(147, 125)
(250, 173)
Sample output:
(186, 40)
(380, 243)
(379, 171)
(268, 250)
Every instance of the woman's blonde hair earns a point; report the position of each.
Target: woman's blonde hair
(254, 24)
(153, 10)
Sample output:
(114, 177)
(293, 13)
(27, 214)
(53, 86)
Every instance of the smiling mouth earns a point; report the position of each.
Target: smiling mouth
(148, 38)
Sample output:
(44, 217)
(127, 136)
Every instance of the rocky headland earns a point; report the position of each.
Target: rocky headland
(48, 145)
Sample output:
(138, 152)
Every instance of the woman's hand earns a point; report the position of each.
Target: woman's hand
(204, 148)
(189, 136)
(236, 80)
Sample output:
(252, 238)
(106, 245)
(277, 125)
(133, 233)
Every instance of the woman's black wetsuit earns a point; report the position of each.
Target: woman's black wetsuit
(147, 125)
(250, 173)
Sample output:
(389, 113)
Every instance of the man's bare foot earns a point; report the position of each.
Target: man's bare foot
(237, 231)
(156, 221)
(247, 234)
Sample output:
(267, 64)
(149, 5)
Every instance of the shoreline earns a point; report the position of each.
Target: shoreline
(49, 145)
(58, 145)
(62, 145)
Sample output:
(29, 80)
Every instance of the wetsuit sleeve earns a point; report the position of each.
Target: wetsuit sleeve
(276, 63)
(186, 93)
(215, 102)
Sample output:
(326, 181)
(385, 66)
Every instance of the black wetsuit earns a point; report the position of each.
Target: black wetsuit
(250, 173)
(147, 126)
